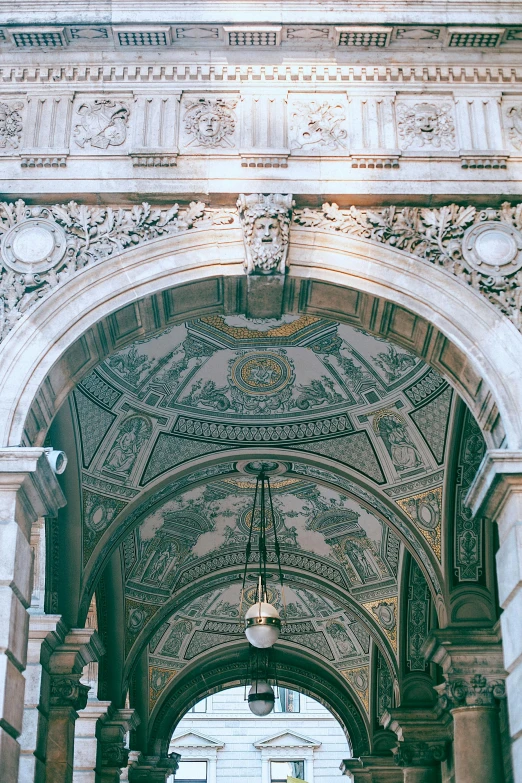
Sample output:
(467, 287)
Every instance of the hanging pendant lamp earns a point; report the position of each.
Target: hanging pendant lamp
(263, 676)
(262, 620)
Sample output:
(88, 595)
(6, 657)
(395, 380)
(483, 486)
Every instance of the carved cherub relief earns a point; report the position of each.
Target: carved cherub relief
(210, 122)
(422, 125)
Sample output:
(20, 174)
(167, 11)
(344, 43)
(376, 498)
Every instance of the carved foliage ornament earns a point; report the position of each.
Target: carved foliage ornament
(10, 125)
(44, 246)
(422, 125)
(210, 122)
(514, 125)
(103, 124)
(420, 754)
(481, 247)
(68, 691)
(266, 227)
(317, 124)
(476, 690)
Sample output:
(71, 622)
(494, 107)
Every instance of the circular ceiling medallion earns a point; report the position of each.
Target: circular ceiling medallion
(492, 248)
(254, 467)
(33, 246)
(261, 373)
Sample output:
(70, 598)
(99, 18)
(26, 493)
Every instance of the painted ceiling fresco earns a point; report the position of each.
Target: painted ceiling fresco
(315, 386)
(206, 527)
(312, 621)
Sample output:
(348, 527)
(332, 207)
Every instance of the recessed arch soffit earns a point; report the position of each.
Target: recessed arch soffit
(317, 625)
(304, 383)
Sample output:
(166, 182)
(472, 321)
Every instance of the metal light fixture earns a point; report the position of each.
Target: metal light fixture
(261, 696)
(262, 620)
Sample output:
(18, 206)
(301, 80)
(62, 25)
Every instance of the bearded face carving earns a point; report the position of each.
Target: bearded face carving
(266, 227)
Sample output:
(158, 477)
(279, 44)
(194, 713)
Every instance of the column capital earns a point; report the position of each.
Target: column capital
(472, 666)
(153, 769)
(423, 735)
(372, 769)
(68, 691)
(470, 691)
(420, 754)
(110, 732)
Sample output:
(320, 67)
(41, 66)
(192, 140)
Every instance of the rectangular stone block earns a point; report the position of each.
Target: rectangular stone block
(509, 565)
(9, 753)
(512, 633)
(514, 694)
(14, 622)
(12, 687)
(16, 560)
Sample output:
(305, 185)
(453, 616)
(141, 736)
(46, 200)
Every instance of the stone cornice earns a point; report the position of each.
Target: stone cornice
(359, 12)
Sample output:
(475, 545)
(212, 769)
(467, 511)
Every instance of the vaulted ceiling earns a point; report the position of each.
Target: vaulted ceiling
(369, 451)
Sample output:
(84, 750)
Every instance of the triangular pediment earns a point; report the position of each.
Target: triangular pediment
(287, 739)
(193, 739)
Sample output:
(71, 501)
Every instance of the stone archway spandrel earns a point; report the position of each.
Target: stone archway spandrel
(411, 301)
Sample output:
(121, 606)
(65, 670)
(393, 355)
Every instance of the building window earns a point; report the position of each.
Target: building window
(192, 772)
(201, 706)
(280, 771)
(288, 701)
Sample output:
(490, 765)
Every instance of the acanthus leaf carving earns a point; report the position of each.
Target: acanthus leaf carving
(483, 248)
(45, 246)
(470, 691)
(266, 229)
(68, 691)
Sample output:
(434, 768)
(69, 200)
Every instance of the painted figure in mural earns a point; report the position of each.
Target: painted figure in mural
(342, 641)
(133, 434)
(160, 562)
(357, 555)
(393, 431)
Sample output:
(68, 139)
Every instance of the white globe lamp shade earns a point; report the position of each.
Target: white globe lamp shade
(263, 625)
(261, 699)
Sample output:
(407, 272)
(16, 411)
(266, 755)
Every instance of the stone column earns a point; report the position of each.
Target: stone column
(423, 737)
(474, 675)
(372, 769)
(113, 755)
(34, 725)
(85, 740)
(64, 657)
(28, 490)
(153, 769)
(496, 493)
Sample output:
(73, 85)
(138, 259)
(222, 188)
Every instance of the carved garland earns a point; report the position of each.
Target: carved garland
(481, 247)
(44, 246)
